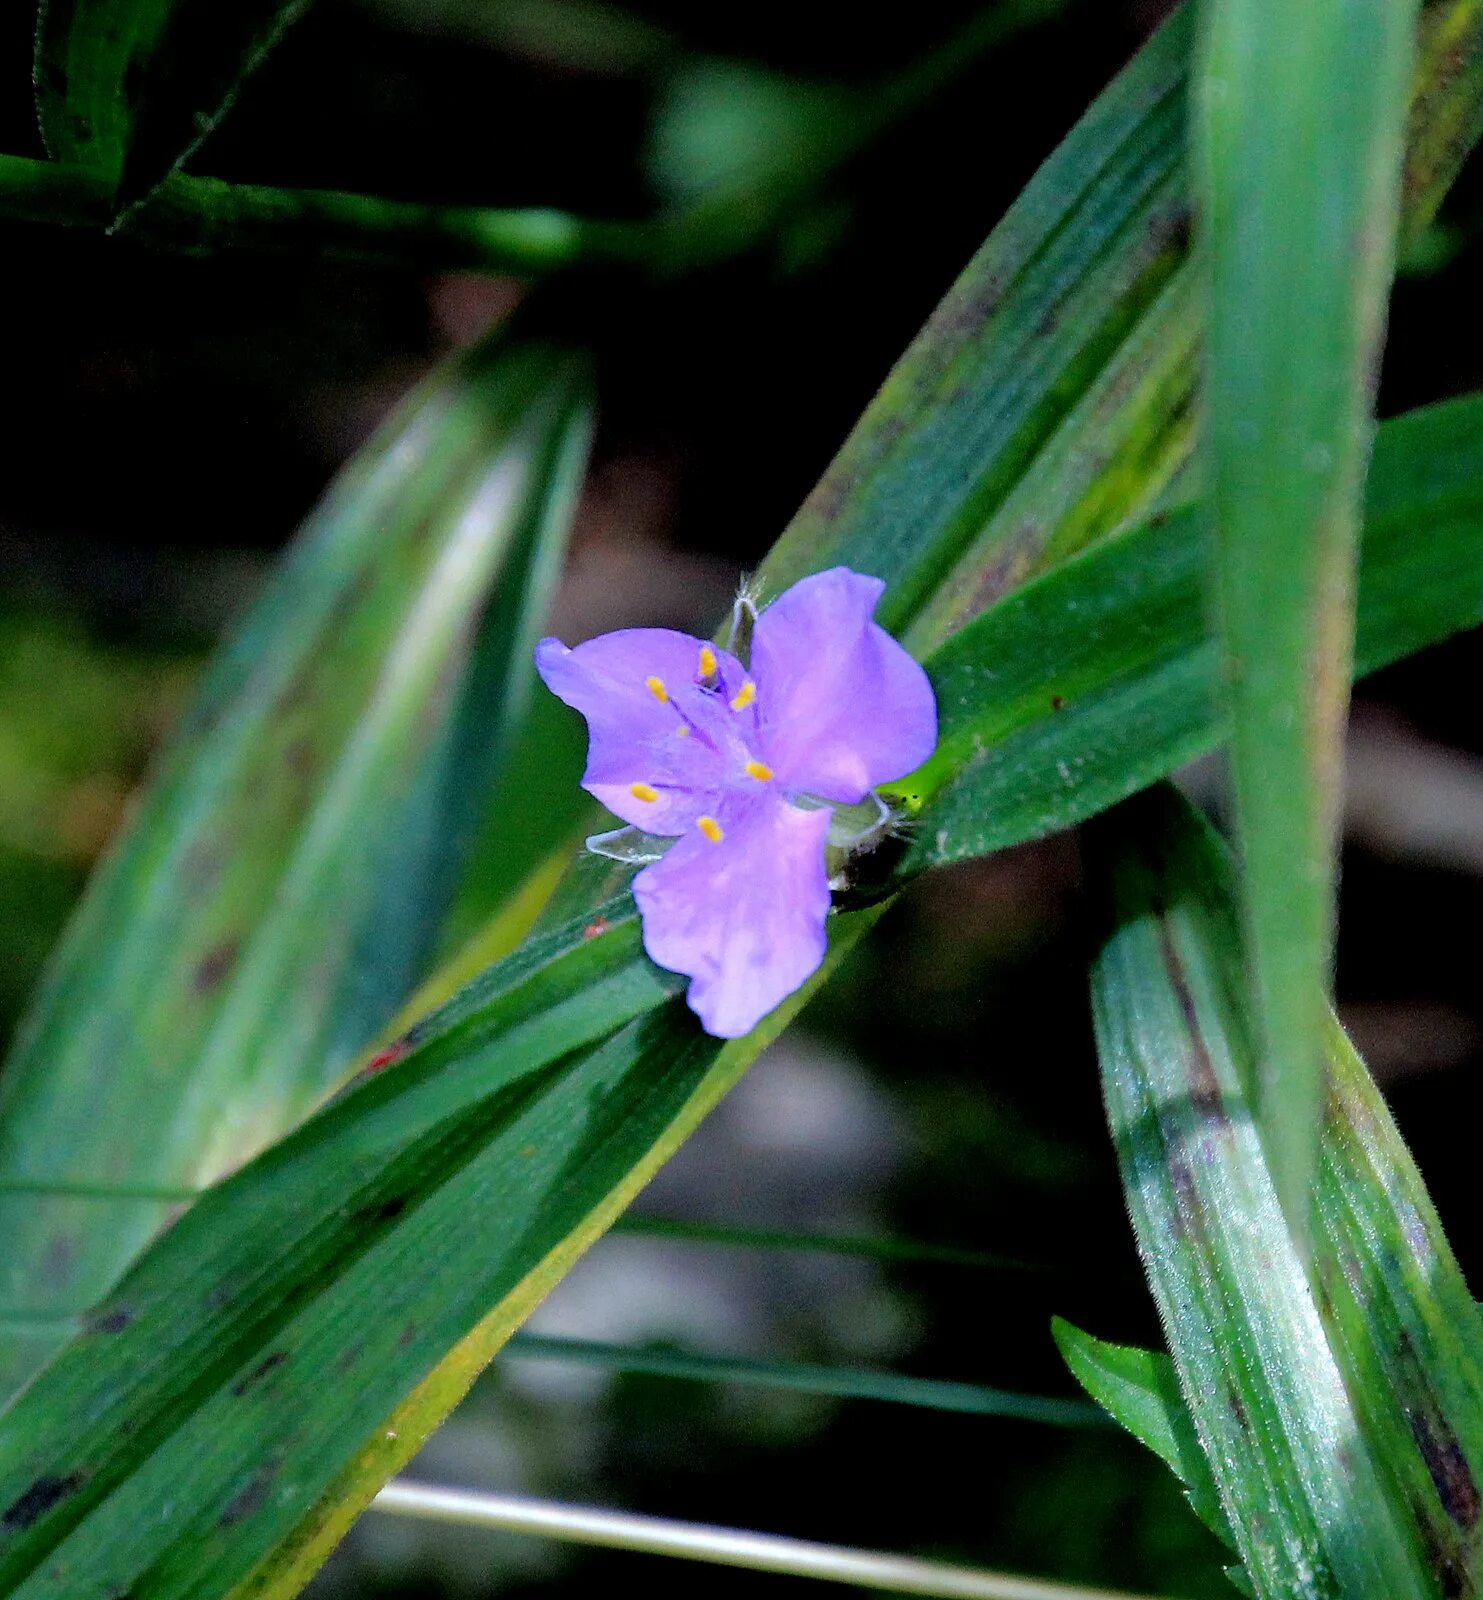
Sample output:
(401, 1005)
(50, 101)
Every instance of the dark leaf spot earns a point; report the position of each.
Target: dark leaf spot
(252, 1496)
(40, 1498)
(1447, 1465)
(259, 1372)
(214, 966)
(114, 1321)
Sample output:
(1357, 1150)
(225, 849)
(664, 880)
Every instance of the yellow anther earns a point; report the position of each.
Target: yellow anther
(683, 731)
(643, 791)
(744, 696)
(707, 662)
(655, 686)
(758, 770)
(710, 828)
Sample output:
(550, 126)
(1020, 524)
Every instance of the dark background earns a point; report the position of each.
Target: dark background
(169, 421)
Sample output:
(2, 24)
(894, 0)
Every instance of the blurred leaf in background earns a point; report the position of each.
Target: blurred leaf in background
(275, 896)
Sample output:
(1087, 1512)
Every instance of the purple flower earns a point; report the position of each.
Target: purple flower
(743, 767)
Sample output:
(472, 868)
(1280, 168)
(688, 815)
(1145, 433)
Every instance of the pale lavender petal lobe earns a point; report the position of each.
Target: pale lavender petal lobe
(743, 918)
(667, 740)
(841, 706)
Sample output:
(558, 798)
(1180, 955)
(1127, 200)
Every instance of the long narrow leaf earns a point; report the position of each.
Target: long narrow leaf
(1101, 677)
(1344, 1428)
(1299, 117)
(274, 896)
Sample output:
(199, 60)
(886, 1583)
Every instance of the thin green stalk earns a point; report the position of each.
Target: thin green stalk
(843, 1383)
(198, 215)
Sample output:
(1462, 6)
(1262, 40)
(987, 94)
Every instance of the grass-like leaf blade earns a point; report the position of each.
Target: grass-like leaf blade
(1101, 677)
(275, 894)
(1343, 1427)
(1299, 118)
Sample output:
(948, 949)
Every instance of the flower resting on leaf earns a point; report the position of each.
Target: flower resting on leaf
(742, 766)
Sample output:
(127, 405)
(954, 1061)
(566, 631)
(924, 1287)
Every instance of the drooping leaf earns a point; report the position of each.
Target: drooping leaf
(1343, 1428)
(275, 894)
(126, 89)
(1299, 118)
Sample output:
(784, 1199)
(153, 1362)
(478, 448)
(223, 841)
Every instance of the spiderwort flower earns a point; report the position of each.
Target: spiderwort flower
(685, 740)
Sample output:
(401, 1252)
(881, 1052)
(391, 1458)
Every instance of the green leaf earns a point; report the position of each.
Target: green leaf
(1100, 677)
(844, 1383)
(1140, 1389)
(1344, 1429)
(1039, 332)
(464, 1178)
(1051, 397)
(127, 89)
(274, 897)
(1299, 117)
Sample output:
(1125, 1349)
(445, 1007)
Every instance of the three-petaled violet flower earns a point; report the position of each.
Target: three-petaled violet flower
(742, 765)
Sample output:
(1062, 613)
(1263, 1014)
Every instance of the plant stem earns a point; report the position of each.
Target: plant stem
(726, 1547)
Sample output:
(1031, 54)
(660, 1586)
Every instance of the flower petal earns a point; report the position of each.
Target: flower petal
(841, 706)
(744, 918)
(652, 728)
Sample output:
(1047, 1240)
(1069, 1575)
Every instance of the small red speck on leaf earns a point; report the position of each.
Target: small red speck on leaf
(388, 1057)
(597, 926)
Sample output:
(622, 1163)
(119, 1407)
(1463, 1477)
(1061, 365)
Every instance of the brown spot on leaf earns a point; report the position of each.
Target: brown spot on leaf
(111, 1321)
(1205, 1097)
(1058, 702)
(251, 1497)
(1447, 1465)
(215, 965)
(46, 1493)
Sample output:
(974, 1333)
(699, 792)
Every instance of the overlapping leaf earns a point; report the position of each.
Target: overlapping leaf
(1342, 1427)
(1299, 118)
(1101, 676)
(275, 895)
(463, 1179)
